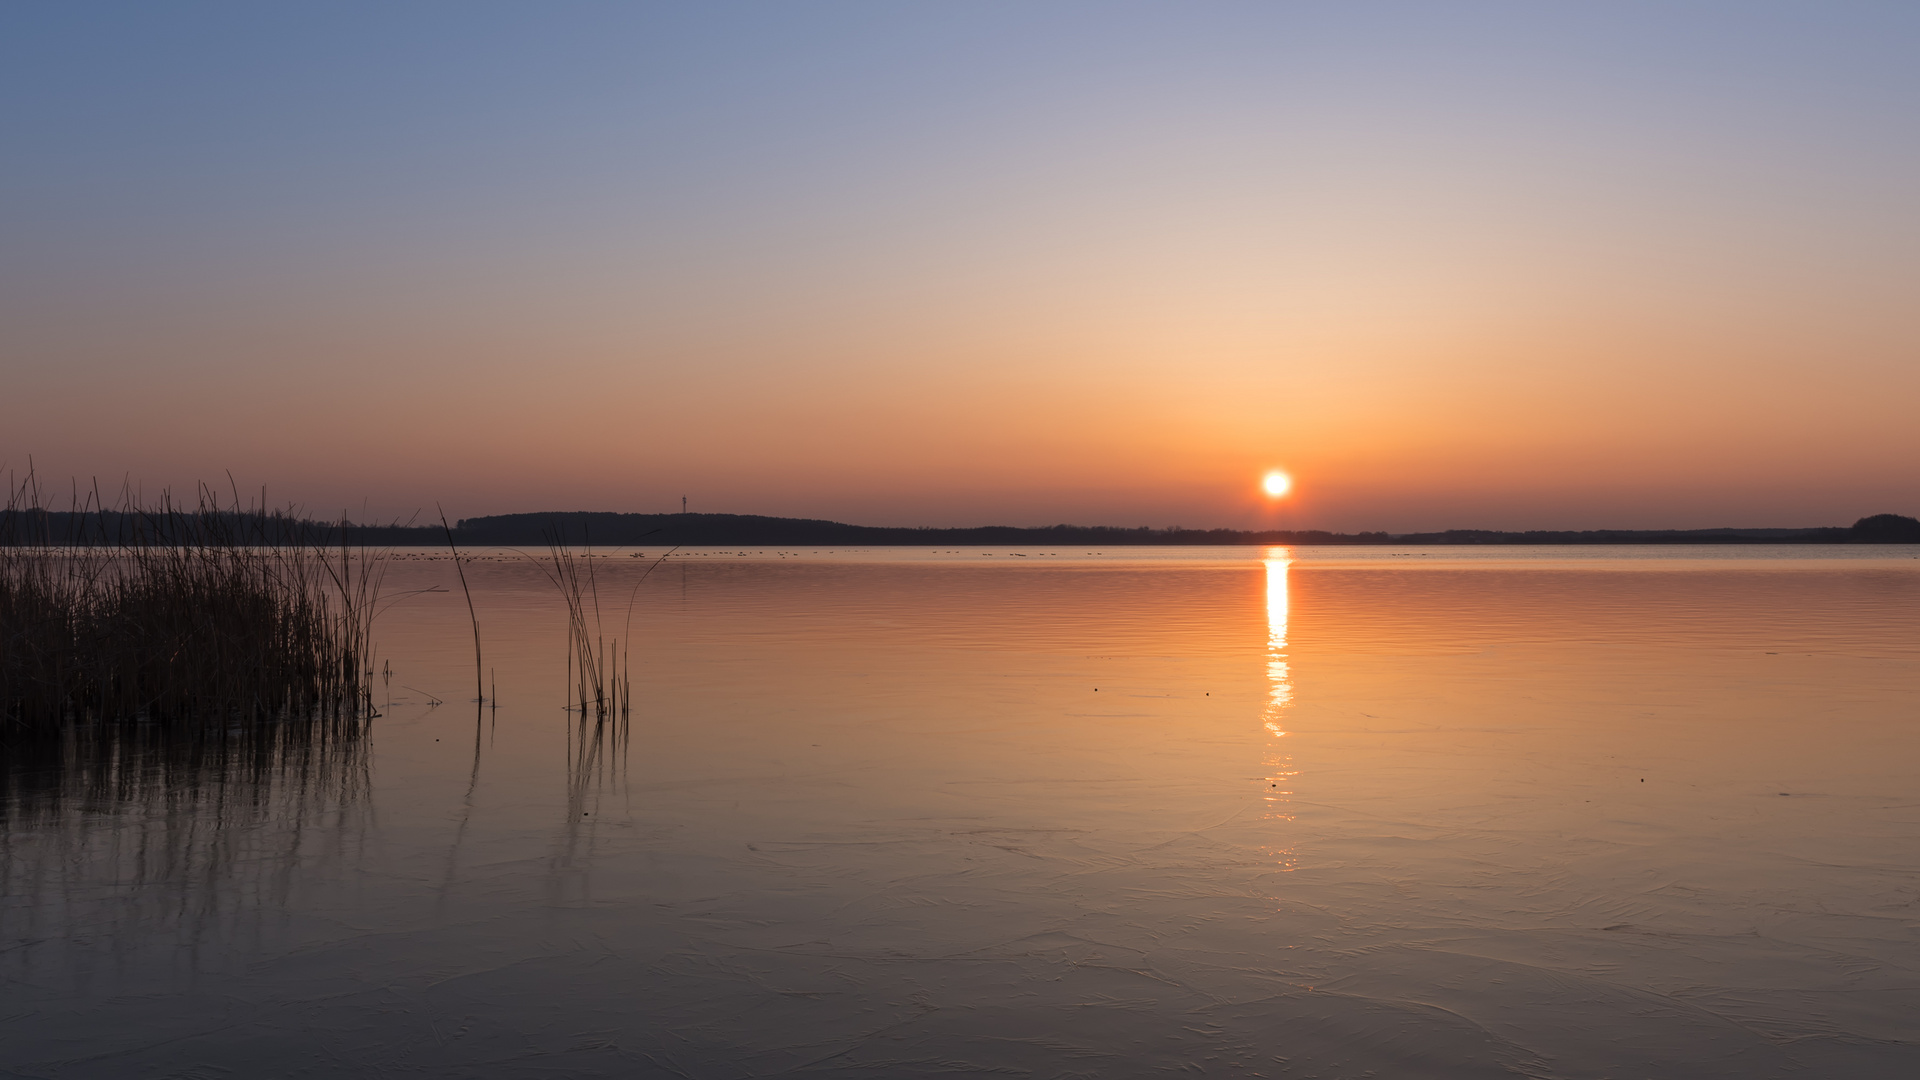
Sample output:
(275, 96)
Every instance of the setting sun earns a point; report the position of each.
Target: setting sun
(1276, 483)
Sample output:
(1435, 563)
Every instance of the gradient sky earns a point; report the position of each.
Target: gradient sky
(1450, 265)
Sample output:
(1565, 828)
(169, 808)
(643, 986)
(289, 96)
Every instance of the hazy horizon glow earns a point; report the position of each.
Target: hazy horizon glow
(1483, 265)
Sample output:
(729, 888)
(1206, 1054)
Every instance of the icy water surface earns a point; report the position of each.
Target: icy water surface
(1232, 812)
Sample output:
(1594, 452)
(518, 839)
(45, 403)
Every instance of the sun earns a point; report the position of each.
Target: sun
(1276, 483)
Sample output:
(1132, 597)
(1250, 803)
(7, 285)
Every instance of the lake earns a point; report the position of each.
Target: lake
(1337, 812)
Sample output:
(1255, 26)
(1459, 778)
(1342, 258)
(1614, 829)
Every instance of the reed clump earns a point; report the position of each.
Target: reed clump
(168, 612)
(599, 682)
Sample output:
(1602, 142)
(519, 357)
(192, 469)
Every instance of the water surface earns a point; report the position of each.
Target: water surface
(1586, 812)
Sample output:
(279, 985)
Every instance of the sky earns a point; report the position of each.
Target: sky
(1506, 265)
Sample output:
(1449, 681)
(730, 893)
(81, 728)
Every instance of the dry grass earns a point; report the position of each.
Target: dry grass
(597, 667)
(599, 680)
(162, 612)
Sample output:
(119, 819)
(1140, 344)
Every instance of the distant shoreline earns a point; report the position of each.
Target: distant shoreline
(607, 529)
(707, 530)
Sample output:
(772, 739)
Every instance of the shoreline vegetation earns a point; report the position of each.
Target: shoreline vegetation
(607, 529)
(176, 614)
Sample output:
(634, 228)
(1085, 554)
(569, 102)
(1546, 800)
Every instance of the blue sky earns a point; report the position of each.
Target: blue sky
(1501, 264)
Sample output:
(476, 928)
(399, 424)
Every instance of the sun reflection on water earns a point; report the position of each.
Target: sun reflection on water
(1279, 686)
(1279, 761)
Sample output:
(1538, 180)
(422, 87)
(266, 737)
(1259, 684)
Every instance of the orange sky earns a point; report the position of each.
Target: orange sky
(1508, 268)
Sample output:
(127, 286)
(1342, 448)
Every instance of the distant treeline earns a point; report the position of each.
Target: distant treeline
(603, 529)
(196, 527)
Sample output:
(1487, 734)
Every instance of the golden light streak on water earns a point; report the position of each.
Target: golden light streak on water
(1279, 762)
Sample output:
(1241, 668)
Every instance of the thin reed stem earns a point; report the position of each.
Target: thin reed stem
(479, 686)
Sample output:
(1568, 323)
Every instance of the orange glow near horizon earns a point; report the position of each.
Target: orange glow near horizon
(816, 268)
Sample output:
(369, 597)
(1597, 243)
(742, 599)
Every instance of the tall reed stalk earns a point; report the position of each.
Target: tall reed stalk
(598, 679)
(479, 688)
(166, 612)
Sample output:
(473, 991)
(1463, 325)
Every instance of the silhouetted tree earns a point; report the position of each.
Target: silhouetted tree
(1887, 529)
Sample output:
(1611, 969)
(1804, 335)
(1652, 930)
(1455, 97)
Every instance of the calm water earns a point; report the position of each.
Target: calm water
(1262, 812)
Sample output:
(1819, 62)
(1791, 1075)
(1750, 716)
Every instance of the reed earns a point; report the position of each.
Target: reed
(599, 669)
(167, 612)
(598, 679)
(479, 688)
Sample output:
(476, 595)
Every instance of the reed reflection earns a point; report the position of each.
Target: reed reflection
(596, 776)
(1278, 759)
(114, 837)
